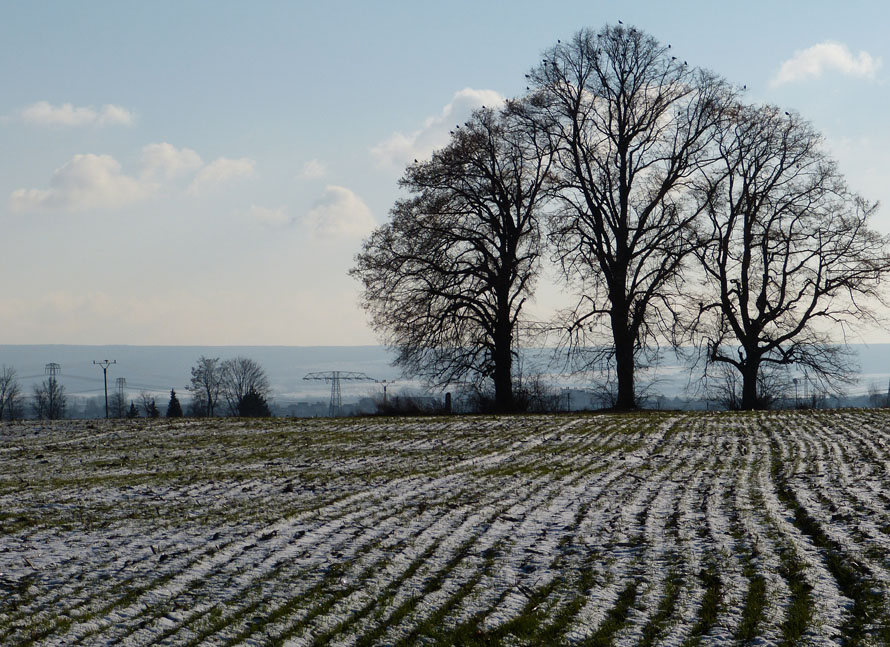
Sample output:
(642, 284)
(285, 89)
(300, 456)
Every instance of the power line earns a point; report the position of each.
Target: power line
(334, 378)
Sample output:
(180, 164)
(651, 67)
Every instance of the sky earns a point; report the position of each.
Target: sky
(204, 172)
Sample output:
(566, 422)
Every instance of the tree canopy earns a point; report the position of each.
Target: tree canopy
(631, 125)
(789, 256)
(446, 279)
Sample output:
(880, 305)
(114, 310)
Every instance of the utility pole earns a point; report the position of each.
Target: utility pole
(385, 384)
(105, 363)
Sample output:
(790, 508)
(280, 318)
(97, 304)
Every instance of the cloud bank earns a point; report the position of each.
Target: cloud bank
(813, 62)
(313, 170)
(91, 181)
(402, 148)
(166, 161)
(340, 212)
(86, 182)
(219, 172)
(43, 113)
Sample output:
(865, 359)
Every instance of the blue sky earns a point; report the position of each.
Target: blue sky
(203, 172)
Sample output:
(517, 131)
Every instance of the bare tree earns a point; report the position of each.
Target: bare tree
(10, 394)
(117, 405)
(446, 279)
(789, 254)
(877, 397)
(240, 376)
(631, 125)
(205, 386)
(50, 401)
(149, 405)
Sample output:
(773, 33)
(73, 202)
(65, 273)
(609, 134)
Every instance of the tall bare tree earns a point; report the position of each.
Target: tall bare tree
(50, 401)
(446, 279)
(117, 405)
(631, 125)
(10, 394)
(205, 385)
(789, 255)
(240, 376)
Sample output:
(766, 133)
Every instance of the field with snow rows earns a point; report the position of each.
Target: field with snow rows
(644, 529)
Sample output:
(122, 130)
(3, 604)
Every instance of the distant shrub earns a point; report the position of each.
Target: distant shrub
(411, 405)
(253, 405)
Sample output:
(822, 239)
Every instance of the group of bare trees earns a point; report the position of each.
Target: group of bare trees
(239, 383)
(49, 401)
(676, 212)
(11, 396)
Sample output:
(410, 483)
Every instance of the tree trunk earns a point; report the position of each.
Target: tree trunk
(503, 371)
(624, 362)
(749, 384)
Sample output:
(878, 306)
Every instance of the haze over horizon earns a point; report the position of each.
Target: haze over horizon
(202, 174)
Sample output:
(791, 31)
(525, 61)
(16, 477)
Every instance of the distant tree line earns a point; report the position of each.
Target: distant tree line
(240, 385)
(674, 211)
(236, 387)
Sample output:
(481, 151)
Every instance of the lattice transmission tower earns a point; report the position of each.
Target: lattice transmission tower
(121, 399)
(334, 377)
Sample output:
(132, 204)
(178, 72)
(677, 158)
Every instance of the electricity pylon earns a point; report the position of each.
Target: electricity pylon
(334, 378)
(121, 385)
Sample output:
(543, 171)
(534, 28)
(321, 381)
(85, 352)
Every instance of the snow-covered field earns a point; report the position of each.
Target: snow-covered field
(647, 529)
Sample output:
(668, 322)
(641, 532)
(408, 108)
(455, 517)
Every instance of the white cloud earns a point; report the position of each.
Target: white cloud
(112, 114)
(220, 171)
(812, 62)
(400, 149)
(340, 212)
(96, 181)
(313, 170)
(43, 113)
(166, 161)
(86, 182)
(268, 217)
